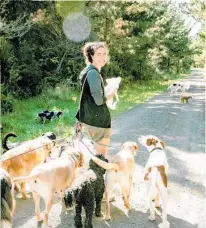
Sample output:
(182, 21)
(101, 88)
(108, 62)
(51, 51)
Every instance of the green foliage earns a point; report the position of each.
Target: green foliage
(146, 40)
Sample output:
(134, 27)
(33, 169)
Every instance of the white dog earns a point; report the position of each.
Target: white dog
(112, 83)
(155, 175)
(178, 86)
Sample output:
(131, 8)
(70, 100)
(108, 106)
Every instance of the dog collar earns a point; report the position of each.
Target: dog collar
(157, 148)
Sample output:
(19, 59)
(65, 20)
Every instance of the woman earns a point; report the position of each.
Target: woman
(93, 112)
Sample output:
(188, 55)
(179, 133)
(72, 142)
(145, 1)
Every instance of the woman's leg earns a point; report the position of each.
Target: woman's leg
(102, 147)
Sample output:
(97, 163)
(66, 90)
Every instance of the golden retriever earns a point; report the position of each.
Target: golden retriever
(52, 177)
(19, 161)
(120, 170)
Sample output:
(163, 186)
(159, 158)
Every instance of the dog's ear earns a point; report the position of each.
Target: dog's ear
(135, 146)
(151, 142)
(79, 157)
(163, 145)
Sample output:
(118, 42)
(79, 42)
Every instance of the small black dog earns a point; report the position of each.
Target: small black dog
(48, 115)
(87, 189)
(7, 199)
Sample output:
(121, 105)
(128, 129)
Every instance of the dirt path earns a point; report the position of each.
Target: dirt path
(182, 128)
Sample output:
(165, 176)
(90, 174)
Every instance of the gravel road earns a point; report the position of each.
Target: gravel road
(182, 128)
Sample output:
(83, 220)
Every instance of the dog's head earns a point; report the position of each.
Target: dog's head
(114, 81)
(96, 168)
(50, 135)
(78, 157)
(132, 146)
(58, 114)
(151, 142)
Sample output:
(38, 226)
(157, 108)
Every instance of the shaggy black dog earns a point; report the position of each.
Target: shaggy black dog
(48, 115)
(87, 190)
(7, 200)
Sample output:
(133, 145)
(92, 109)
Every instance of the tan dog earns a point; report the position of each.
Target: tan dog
(19, 161)
(184, 98)
(124, 164)
(155, 175)
(52, 177)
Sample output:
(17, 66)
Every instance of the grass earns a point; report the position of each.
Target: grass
(62, 98)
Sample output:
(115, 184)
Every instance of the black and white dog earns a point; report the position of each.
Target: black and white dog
(48, 115)
(7, 199)
(178, 86)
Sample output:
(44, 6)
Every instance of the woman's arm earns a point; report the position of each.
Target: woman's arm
(94, 82)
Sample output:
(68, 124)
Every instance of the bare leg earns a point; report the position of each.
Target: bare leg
(102, 147)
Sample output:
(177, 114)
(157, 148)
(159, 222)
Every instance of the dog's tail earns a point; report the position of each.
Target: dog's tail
(105, 165)
(26, 178)
(4, 141)
(7, 202)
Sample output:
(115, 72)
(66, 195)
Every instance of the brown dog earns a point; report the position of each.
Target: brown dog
(124, 164)
(19, 161)
(184, 98)
(52, 177)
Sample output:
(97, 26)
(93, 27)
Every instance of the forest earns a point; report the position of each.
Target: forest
(41, 41)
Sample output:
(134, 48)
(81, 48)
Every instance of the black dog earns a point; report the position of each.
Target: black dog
(7, 199)
(47, 115)
(88, 189)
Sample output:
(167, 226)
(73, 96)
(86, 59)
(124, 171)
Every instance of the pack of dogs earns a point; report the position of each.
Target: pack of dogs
(173, 88)
(78, 177)
(77, 183)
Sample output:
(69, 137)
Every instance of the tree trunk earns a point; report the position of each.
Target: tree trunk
(106, 26)
(178, 66)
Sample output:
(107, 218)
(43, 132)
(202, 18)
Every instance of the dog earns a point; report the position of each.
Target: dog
(22, 159)
(7, 199)
(178, 86)
(52, 177)
(120, 169)
(112, 83)
(48, 115)
(184, 98)
(155, 175)
(4, 141)
(87, 190)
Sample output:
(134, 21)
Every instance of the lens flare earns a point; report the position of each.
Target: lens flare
(77, 27)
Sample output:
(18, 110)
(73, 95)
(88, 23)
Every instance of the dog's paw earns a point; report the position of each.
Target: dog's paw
(107, 217)
(99, 214)
(152, 217)
(165, 224)
(39, 217)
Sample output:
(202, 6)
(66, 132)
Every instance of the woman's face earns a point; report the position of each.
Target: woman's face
(100, 57)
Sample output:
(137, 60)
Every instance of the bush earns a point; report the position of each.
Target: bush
(6, 104)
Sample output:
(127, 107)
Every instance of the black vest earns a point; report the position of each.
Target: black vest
(90, 113)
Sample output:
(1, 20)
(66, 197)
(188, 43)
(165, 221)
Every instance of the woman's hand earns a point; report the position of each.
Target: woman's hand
(110, 96)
